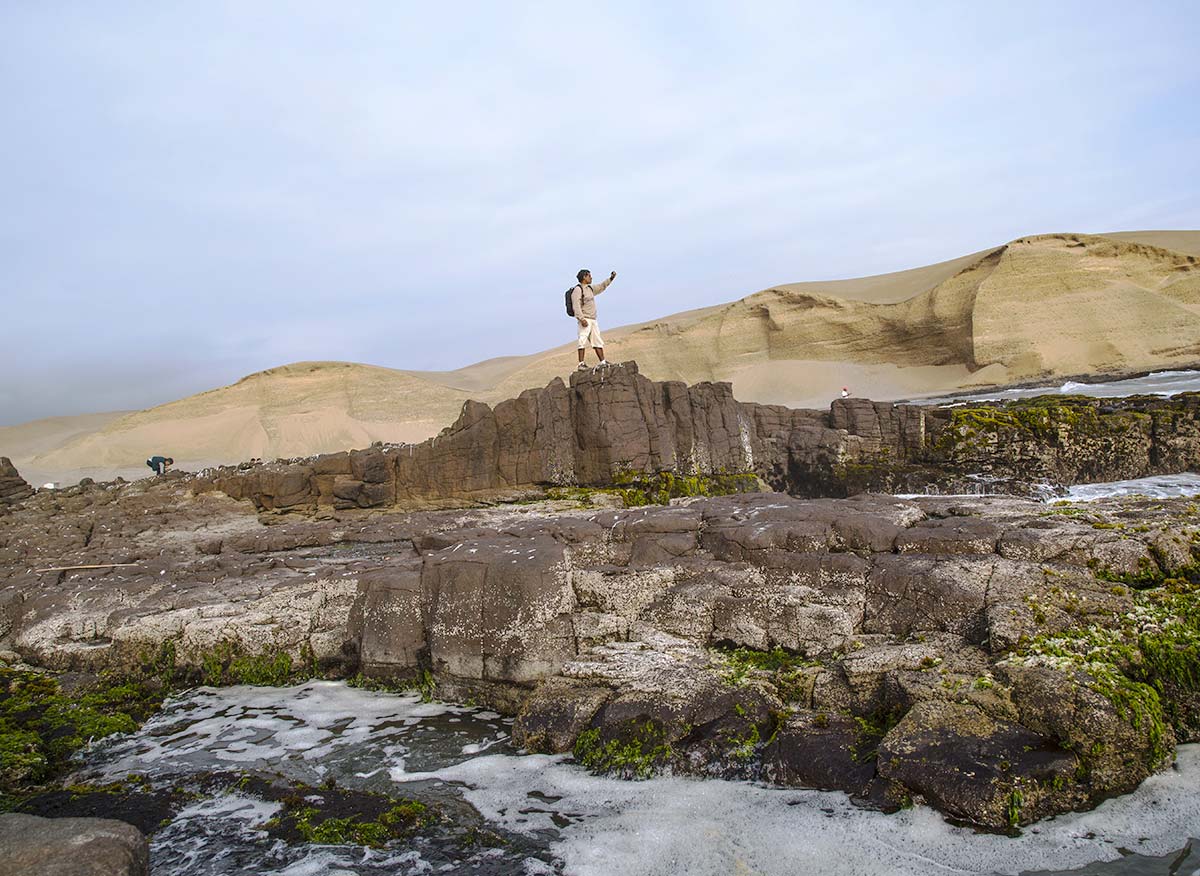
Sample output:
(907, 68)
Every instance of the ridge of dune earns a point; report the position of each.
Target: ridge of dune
(1186, 242)
(1038, 307)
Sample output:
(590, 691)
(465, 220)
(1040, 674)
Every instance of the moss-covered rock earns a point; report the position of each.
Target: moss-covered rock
(333, 816)
(639, 488)
(42, 726)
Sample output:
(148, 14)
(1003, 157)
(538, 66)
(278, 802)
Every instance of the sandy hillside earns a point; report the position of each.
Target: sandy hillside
(1116, 305)
(1038, 307)
(293, 410)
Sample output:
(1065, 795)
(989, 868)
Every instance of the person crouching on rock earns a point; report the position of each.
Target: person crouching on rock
(160, 464)
(583, 304)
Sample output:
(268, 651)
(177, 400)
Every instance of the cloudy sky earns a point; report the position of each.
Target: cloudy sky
(193, 192)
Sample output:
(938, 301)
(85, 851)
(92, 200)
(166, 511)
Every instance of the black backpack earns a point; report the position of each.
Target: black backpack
(570, 304)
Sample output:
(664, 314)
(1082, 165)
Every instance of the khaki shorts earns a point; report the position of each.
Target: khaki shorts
(589, 335)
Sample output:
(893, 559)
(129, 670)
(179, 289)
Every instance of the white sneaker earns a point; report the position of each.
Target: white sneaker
(582, 366)
(603, 363)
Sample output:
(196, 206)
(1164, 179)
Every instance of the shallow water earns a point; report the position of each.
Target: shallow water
(1164, 383)
(1158, 487)
(558, 818)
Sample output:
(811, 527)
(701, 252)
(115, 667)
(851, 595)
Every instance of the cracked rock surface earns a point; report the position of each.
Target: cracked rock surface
(1000, 658)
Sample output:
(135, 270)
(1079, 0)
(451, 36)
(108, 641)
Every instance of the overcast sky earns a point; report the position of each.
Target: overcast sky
(193, 192)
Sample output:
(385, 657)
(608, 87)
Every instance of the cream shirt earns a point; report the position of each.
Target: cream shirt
(583, 298)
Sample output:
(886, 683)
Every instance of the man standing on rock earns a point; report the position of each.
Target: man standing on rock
(583, 304)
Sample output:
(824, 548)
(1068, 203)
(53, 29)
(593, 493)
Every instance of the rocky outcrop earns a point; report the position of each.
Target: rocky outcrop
(613, 425)
(603, 425)
(71, 847)
(12, 486)
(1000, 658)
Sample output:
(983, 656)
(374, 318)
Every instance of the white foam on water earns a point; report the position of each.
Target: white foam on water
(310, 723)
(317, 865)
(1155, 487)
(671, 825)
(1158, 487)
(1162, 383)
(248, 809)
(595, 825)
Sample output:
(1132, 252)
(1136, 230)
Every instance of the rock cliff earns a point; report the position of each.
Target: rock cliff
(614, 425)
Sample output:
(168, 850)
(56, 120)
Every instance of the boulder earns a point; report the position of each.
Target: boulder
(71, 847)
(993, 773)
(1114, 725)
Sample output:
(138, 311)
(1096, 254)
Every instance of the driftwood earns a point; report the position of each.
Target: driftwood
(97, 566)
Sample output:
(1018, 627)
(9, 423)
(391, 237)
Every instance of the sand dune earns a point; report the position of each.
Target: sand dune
(293, 410)
(975, 321)
(1037, 308)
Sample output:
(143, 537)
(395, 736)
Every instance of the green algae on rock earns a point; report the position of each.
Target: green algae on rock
(42, 726)
(371, 820)
(638, 753)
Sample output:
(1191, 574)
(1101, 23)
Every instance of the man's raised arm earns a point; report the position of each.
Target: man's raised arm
(597, 288)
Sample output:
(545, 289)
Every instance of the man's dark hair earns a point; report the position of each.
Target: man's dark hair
(579, 276)
(170, 460)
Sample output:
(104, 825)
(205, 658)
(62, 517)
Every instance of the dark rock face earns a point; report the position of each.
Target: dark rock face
(601, 425)
(12, 486)
(978, 768)
(819, 750)
(72, 847)
(614, 421)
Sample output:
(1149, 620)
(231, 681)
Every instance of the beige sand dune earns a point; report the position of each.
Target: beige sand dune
(41, 436)
(293, 410)
(1037, 308)
(1117, 306)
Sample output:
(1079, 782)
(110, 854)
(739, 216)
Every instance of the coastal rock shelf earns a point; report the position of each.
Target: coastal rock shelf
(613, 426)
(999, 658)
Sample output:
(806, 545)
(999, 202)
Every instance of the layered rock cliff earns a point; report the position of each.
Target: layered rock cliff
(614, 424)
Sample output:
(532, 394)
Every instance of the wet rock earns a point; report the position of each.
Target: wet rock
(695, 636)
(499, 609)
(552, 718)
(993, 773)
(815, 749)
(909, 593)
(1114, 725)
(387, 620)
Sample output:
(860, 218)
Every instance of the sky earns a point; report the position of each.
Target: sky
(194, 192)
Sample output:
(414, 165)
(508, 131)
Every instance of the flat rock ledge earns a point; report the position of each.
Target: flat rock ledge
(33, 846)
(1000, 659)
